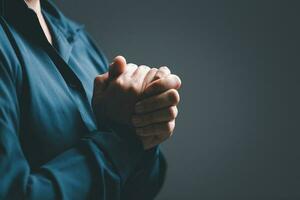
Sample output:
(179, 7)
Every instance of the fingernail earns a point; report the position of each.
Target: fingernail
(139, 107)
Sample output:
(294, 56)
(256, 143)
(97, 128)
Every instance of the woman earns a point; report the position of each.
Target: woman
(55, 143)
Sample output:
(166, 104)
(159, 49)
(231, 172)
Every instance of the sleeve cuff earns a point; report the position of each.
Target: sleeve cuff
(122, 147)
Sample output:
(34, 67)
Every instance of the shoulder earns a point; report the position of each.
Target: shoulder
(8, 58)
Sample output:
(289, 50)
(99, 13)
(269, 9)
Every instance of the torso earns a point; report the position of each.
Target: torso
(55, 111)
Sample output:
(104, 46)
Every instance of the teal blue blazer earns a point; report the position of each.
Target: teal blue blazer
(51, 146)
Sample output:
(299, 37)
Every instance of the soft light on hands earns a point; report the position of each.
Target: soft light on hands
(117, 91)
(140, 97)
(155, 113)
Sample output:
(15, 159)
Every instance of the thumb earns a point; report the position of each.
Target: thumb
(100, 83)
(117, 67)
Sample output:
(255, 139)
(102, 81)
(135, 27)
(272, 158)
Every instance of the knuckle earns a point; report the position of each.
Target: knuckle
(132, 65)
(130, 68)
(144, 67)
(170, 127)
(165, 68)
(153, 70)
(177, 80)
(127, 78)
(159, 74)
(173, 112)
(133, 89)
(118, 82)
(173, 96)
(137, 85)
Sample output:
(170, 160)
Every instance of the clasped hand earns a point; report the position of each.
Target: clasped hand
(140, 97)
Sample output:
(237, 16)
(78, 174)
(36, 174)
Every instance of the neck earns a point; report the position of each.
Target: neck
(34, 5)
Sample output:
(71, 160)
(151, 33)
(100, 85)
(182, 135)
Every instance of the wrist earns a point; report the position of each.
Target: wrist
(108, 125)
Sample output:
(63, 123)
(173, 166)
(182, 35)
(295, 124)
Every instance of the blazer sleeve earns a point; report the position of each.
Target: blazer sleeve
(97, 167)
(149, 177)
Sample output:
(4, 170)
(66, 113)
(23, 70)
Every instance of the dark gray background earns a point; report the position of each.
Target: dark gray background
(237, 134)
